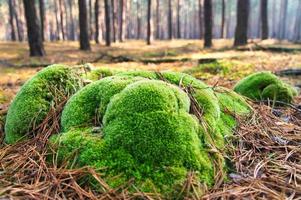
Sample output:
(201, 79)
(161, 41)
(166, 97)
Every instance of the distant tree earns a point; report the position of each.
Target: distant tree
(178, 19)
(96, 13)
(62, 19)
(121, 35)
(19, 23)
(169, 19)
(138, 20)
(158, 19)
(107, 23)
(91, 19)
(114, 19)
(223, 19)
(283, 15)
(42, 17)
(264, 19)
(11, 20)
(71, 20)
(35, 41)
(58, 29)
(149, 22)
(241, 29)
(208, 23)
(297, 25)
(83, 26)
(201, 20)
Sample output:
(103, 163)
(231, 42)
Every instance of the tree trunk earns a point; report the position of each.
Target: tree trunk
(178, 19)
(158, 19)
(297, 26)
(71, 20)
(169, 19)
(208, 23)
(83, 26)
(274, 21)
(58, 32)
(264, 19)
(91, 19)
(11, 20)
(201, 25)
(114, 20)
(122, 5)
(62, 18)
(241, 30)
(35, 41)
(138, 21)
(282, 23)
(18, 21)
(223, 19)
(96, 13)
(108, 23)
(149, 22)
(42, 17)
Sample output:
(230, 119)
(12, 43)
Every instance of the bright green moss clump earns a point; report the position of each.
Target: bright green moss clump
(265, 86)
(45, 90)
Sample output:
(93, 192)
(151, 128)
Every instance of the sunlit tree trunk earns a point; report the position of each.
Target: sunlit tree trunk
(62, 18)
(35, 41)
(241, 30)
(83, 26)
(149, 22)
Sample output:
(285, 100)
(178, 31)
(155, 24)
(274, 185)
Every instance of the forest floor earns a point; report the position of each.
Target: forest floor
(267, 153)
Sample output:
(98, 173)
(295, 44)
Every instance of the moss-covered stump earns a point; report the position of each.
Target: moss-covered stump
(265, 86)
(155, 128)
(46, 90)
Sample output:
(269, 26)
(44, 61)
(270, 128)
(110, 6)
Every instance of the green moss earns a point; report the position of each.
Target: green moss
(32, 103)
(88, 105)
(144, 74)
(265, 86)
(98, 74)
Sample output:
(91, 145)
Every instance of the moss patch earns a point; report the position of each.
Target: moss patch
(265, 86)
(32, 103)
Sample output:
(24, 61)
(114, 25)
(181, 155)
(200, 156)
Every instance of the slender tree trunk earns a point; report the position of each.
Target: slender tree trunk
(114, 21)
(149, 22)
(83, 26)
(178, 19)
(297, 26)
(19, 20)
(96, 12)
(58, 32)
(158, 19)
(241, 30)
(169, 19)
(223, 19)
(35, 41)
(11, 20)
(62, 19)
(264, 19)
(282, 23)
(42, 17)
(91, 19)
(71, 20)
(108, 23)
(138, 21)
(201, 20)
(122, 5)
(208, 23)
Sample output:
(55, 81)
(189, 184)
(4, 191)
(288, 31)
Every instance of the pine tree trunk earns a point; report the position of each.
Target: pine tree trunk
(11, 20)
(282, 23)
(114, 21)
(83, 26)
(169, 19)
(208, 23)
(138, 21)
(108, 23)
(149, 22)
(96, 13)
(223, 19)
(178, 19)
(58, 32)
(71, 20)
(91, 20)
(122, 5)
(264, 19)
(158, 19)
(62, 19)
(42, 17)
(18, 22)
(35, 41)
(241, 30)
(201, 25)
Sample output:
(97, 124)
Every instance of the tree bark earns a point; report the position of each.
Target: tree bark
(11, 20)
(42, 17)
(91, 20)
(201, 24)
(158, 19)
(96, 13)
(169, 19)
(264, 19)
(178, 19)
(62, 19)
(122, 5)
(58, 32)
(35, 41)
(282, 23)
(208, 23)
(138, 21)
(108, 23)
(114, 20)
(71, 20)
(18, 21)
(149, 22)
(83, 26)
(223, 19)
(241, 30)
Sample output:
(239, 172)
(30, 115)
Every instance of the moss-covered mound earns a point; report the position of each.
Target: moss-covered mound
(265, 86)
(46, 89)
